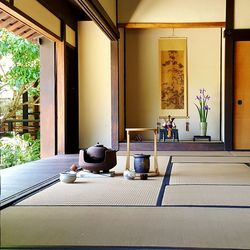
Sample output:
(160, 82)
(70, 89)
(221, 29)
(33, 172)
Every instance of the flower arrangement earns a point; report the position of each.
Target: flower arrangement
(202, 107)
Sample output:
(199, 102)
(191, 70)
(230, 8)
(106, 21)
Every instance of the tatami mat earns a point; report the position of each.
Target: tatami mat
(210, 173)
(207, 195)
(240, 153)
(214, 159)
(106, 191)
(130, 226)
(205, 205)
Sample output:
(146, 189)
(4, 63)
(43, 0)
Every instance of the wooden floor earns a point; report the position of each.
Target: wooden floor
(20, 180)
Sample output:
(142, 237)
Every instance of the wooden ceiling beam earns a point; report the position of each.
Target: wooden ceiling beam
(28, 34)
(3, 15)
(34, 37)
(15, 26)
(171, 25)
(7, 22)
(20, 31)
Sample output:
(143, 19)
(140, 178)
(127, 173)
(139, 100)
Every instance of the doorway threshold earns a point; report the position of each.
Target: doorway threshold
(175, 146)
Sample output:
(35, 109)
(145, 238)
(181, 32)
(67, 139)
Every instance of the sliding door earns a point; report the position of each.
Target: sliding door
(241, 129)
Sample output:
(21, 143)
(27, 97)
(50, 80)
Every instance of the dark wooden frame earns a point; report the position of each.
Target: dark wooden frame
(229, 75)
(64, 11)
(171, 25)
(114, 96)
(67, 134)
(180, 146)
(96, 12)
(231, 36)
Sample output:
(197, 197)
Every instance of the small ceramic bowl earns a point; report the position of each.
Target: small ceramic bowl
(129, 175)
(67, 177)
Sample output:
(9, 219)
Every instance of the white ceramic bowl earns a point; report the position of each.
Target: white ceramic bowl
(129, 175)
(67, 177)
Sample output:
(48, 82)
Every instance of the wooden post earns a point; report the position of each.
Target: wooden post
(156, 170)
(128, 151)
(155, 153)
(25, 113)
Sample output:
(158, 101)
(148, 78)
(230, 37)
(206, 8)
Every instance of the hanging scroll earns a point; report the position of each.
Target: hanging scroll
(173, 76)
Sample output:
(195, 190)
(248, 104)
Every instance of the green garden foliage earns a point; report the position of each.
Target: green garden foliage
(25, 57)
(17, 149)
(21, 74)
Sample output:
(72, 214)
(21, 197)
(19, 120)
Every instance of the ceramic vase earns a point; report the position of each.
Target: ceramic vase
(141, 163)
(203, 128)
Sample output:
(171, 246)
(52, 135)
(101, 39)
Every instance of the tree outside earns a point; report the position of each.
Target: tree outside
(19, 77)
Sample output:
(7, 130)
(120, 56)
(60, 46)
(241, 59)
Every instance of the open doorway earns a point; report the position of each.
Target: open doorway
(27, 107)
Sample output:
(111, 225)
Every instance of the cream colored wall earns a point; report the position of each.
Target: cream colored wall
(40, 14)
(70, 36)
(110, 8)
(143, 83)
(242, 14)
(94, 85)
(171, 10)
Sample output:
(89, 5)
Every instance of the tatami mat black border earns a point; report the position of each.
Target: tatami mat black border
(117, 248)
(165, 182)
(207, 206)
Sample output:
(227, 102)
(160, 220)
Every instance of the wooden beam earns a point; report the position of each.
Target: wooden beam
(21, 30)
(6, 22)
(96, 13)
(35, 36)
(15, 26)
(171, 25)
(3, 15)
(27, 34)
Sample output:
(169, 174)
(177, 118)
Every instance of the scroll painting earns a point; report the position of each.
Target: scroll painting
(173, 76)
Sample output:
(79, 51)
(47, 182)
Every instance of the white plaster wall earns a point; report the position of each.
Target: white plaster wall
(94, 85)
(171, 10)
(143, 83)
(242, 14)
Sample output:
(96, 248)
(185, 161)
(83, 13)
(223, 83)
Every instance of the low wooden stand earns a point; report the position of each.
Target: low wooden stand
(202, 137)
(156, 170)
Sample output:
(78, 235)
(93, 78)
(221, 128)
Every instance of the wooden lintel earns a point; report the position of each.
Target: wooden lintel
(172, 25)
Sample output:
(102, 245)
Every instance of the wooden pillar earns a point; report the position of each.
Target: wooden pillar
(47, 99)
(114, 95)
(60, 66)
